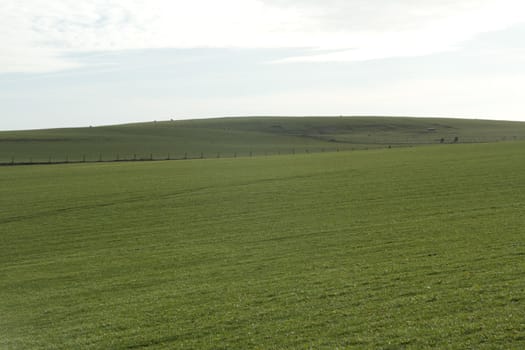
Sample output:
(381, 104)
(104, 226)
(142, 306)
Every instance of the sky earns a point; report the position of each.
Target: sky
(66, 63)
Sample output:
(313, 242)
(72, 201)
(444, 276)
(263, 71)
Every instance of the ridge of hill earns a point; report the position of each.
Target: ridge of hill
(244, 136)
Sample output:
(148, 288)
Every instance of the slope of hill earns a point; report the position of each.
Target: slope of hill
(393, 248)
(228, 137)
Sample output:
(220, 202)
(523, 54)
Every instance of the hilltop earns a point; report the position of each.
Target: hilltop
(244, 136)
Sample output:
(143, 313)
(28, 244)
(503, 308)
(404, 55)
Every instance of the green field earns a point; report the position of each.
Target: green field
(229, 137)
(386, 249)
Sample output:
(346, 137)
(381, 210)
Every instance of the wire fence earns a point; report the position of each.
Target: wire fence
(107, 157)
(158, 156)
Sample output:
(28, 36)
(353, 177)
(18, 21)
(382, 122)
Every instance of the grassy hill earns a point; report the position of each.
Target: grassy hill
(228, 137)
(392, 248)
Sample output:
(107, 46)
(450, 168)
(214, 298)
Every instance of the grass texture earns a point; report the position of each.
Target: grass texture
(386, 249)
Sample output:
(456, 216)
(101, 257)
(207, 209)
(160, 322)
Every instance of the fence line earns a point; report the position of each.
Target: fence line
(118, 157)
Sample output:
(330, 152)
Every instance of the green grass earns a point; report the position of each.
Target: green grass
(393, 248)
(227, 137)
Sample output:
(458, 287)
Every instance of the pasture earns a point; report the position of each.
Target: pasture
(242, 137)
(390, 248)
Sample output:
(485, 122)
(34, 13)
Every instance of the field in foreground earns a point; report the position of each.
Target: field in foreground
(392, 248)
(229, 137)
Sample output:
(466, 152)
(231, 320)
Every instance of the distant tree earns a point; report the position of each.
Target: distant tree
(442, 140)
(456, 139)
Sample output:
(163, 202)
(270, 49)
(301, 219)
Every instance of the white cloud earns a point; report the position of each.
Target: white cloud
(36, 35)
(435, 26)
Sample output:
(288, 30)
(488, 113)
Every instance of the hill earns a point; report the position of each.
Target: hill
(229, 137)
(392, 248)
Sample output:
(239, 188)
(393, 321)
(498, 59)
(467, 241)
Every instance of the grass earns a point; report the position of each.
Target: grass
(391, 248)
(228, 137)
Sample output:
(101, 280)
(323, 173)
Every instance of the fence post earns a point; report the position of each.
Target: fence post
(151, 156)
(67, 158)
(12, 160)
(83, 158)
(169, 157)
(134, 156)
(100, 157)
(202, 155)
(49, 160)
(118, 157)
(185, 155)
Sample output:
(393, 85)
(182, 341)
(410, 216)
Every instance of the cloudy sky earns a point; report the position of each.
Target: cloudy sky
(95, 62)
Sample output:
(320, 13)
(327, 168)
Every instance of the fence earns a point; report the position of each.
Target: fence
(102, 158)
(157, 156)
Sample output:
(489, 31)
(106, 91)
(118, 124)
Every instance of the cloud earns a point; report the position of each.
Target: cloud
(414, 28)
(376, 15)
(38, 35)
